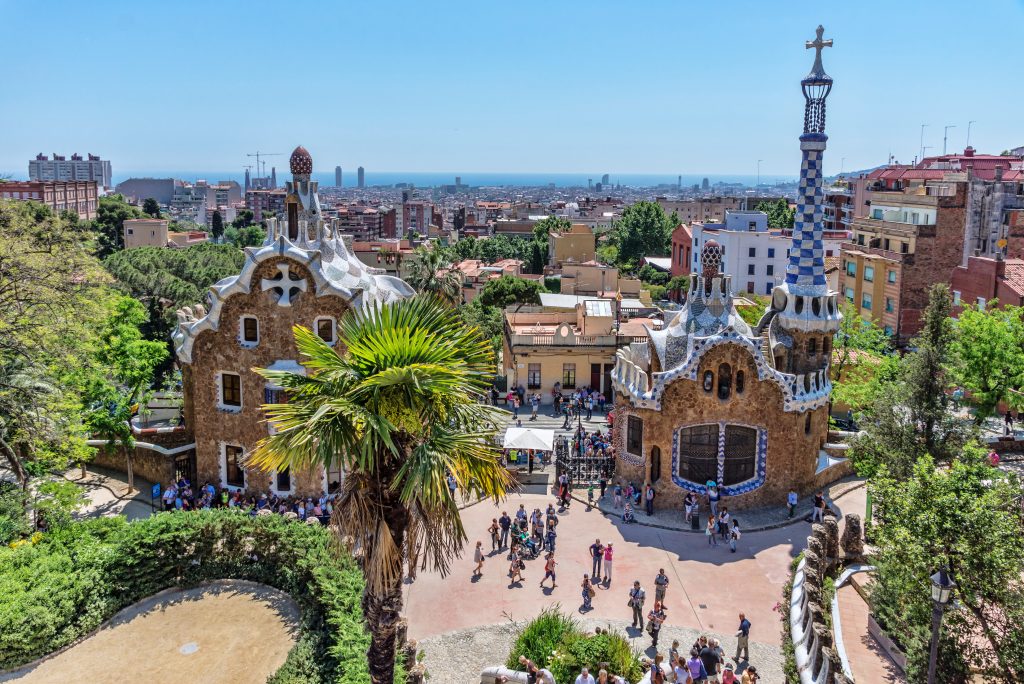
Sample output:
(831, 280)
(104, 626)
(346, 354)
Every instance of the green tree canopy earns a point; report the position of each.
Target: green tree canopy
(431, 272)
(243, 219)
(217, 225)
(164, 279)
(966, 518)
(151, 207)
(779, 213)
(51, 291)
(643, 230)
(988, 357)
(109, 223)
(508, 290)
(249, 236)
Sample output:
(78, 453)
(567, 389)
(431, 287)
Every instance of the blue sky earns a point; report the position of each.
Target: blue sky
(555, 86)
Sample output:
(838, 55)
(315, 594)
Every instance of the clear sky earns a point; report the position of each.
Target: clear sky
(644, 86)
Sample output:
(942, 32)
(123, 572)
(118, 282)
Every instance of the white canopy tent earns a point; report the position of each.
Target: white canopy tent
(529, 438)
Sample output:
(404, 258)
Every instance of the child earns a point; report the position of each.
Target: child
(590, 495)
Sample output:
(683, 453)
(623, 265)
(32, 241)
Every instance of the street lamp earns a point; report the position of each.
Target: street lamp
(942, 589)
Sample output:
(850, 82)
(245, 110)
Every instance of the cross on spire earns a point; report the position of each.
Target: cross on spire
(818, 44)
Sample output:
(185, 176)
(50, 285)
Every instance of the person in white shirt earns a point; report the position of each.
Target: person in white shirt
(544, 676)
(585, 677)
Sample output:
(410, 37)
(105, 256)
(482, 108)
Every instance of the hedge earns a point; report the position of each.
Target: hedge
(72, 579)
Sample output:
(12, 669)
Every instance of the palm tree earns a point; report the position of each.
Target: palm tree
(430, 272)
(398, 409)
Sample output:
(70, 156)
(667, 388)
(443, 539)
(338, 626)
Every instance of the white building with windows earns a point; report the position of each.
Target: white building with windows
(755, 256)
(60, 168)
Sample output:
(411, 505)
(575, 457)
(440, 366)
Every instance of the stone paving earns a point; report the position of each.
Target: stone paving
(868, 661)
(228, 631)
(750, 520)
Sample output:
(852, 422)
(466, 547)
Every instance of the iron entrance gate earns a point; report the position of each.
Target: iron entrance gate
(582, 470)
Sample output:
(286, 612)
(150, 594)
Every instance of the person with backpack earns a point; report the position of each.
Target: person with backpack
(636, 602)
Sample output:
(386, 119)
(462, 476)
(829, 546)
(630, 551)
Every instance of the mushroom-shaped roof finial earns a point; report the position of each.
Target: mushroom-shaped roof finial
(301, 162)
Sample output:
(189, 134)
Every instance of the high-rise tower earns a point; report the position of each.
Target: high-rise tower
(361, 177)
(337, 176)
(805, 308)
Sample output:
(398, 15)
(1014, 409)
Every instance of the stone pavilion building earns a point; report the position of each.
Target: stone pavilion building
(303, 274)
(711, 400)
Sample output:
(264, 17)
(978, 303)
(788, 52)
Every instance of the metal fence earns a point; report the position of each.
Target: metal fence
(582, 470)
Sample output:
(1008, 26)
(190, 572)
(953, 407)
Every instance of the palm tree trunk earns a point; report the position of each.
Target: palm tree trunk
(384, 611)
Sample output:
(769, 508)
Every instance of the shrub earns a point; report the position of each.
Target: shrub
(557, 642)
(63, 587)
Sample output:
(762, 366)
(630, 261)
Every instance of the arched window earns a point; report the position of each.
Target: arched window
(709, 381)
(807, 424)
(740, 376)
(812, 346)
(655, 464)
(702, 451)
(724, 381)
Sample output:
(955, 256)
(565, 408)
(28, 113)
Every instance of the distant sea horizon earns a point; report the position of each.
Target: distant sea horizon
(430, 179)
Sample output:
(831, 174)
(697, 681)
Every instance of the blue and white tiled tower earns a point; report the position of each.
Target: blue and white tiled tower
(803, 302)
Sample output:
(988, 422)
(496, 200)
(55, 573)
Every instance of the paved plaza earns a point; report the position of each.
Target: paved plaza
(709, 586)
(228, 631)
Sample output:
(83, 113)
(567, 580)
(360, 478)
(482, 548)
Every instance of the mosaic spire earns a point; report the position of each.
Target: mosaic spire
(805, 274)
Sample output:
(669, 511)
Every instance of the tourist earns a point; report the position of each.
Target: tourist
(734, 535)
(710, 530)
(544, 676)
(660, 585)
(590, 407)
(682, 672)
(742, 638)
(819, 507)
(515, 570)
(636, 602)
(695, 668)
(549, 539)
(521, 513)
(515, 405)
(750, 676)
(649, 499)
(590, 496)
(728, 674)
(478, 558)
(627, 513)
(608, 564)
(505, 523)
(596, 556)
(618, 494)
(657, 674)
(656, 617)
(588, 593)
(585, 677)
(549, 570)
(673, 653)
(534, 405)
(689, 505)
(169, 495)
(713, 499)
(709, 659)
(602, 483)
(791, 500)
(451, 484)
(723, 524)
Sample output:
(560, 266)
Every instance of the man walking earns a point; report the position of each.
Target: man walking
(660, 585)
(742, 639)
(649, 499)
(791, 501)
(596, 556)
(505, 522)
(636, 602)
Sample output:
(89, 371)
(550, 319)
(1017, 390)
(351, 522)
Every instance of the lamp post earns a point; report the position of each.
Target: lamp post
(942, 589)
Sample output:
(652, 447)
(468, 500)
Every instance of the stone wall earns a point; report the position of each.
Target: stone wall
(220, 350)
(146, 463)
(792, 451)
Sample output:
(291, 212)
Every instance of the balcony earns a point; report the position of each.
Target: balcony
(847, 247)
(893, 229)
(612, 341)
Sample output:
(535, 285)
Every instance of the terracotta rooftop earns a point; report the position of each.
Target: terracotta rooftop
(1014, 275)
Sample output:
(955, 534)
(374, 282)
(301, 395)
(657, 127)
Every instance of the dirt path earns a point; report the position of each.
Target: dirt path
(227, 631)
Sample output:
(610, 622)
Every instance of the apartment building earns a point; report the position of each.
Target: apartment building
(80, 197)
(571, 348)
(60, 168)
(575, 245)
(912, 238)
(260, 202)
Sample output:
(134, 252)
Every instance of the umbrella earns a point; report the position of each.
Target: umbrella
(529, 438)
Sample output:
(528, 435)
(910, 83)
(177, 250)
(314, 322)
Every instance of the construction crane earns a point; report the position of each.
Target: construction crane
(258, 154)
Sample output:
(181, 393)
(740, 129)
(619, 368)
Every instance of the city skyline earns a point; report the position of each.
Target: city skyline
(573, 88)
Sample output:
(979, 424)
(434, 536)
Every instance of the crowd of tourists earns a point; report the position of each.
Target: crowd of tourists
(182, 496)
